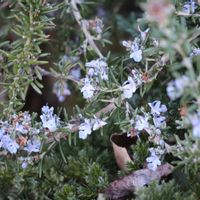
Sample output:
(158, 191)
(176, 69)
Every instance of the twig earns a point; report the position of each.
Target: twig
(48, 73)
(187, 14)
(83, 26)
(75, 127)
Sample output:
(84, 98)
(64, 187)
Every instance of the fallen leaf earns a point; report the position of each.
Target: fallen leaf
(120, 142)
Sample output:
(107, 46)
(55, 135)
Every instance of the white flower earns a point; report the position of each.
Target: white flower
(12, 147)
(159, 122)
(175, 88)
(9, 144)
(141, 123)
(134, 48)
(21, 128)
(75, 73)
(129, 87)
(88, 89)
(33, 145)
(153, 160)
(98, 123)
(49, 120)
(85, 129)
(24, 165)
(157, 108)
(97, 68)
(127, 44)
(51, 124)
(104, 74)
(136, 55)
(189, 7)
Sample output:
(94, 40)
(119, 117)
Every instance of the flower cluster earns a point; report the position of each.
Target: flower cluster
(152, 123)
(90, 125)
(143, 122)
(18, 134)
(96, 69)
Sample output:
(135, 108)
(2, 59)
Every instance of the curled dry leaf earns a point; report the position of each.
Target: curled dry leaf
(120, 142)
(128, 184)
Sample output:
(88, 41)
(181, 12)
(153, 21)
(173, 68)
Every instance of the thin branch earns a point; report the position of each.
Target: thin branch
(75, 127)
(48, 73)
(83, 26)
(187, 14)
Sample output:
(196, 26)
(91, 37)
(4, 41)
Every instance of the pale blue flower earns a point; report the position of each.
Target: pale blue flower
(129, 87)
(12, 147)
(8, 144)
(24, 164)
(189, 7)
(98, 123)
(136, 55)
(49, 120)
(153, 160)
(134, 48)
(87, 89)
(75, 73)
(97, 68)
(21, 128)
(157, 108)
(159, 122)
(141, 123)
(85, 129)
(33, 145)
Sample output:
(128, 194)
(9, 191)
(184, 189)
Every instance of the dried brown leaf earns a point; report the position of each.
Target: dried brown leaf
(120, 142)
